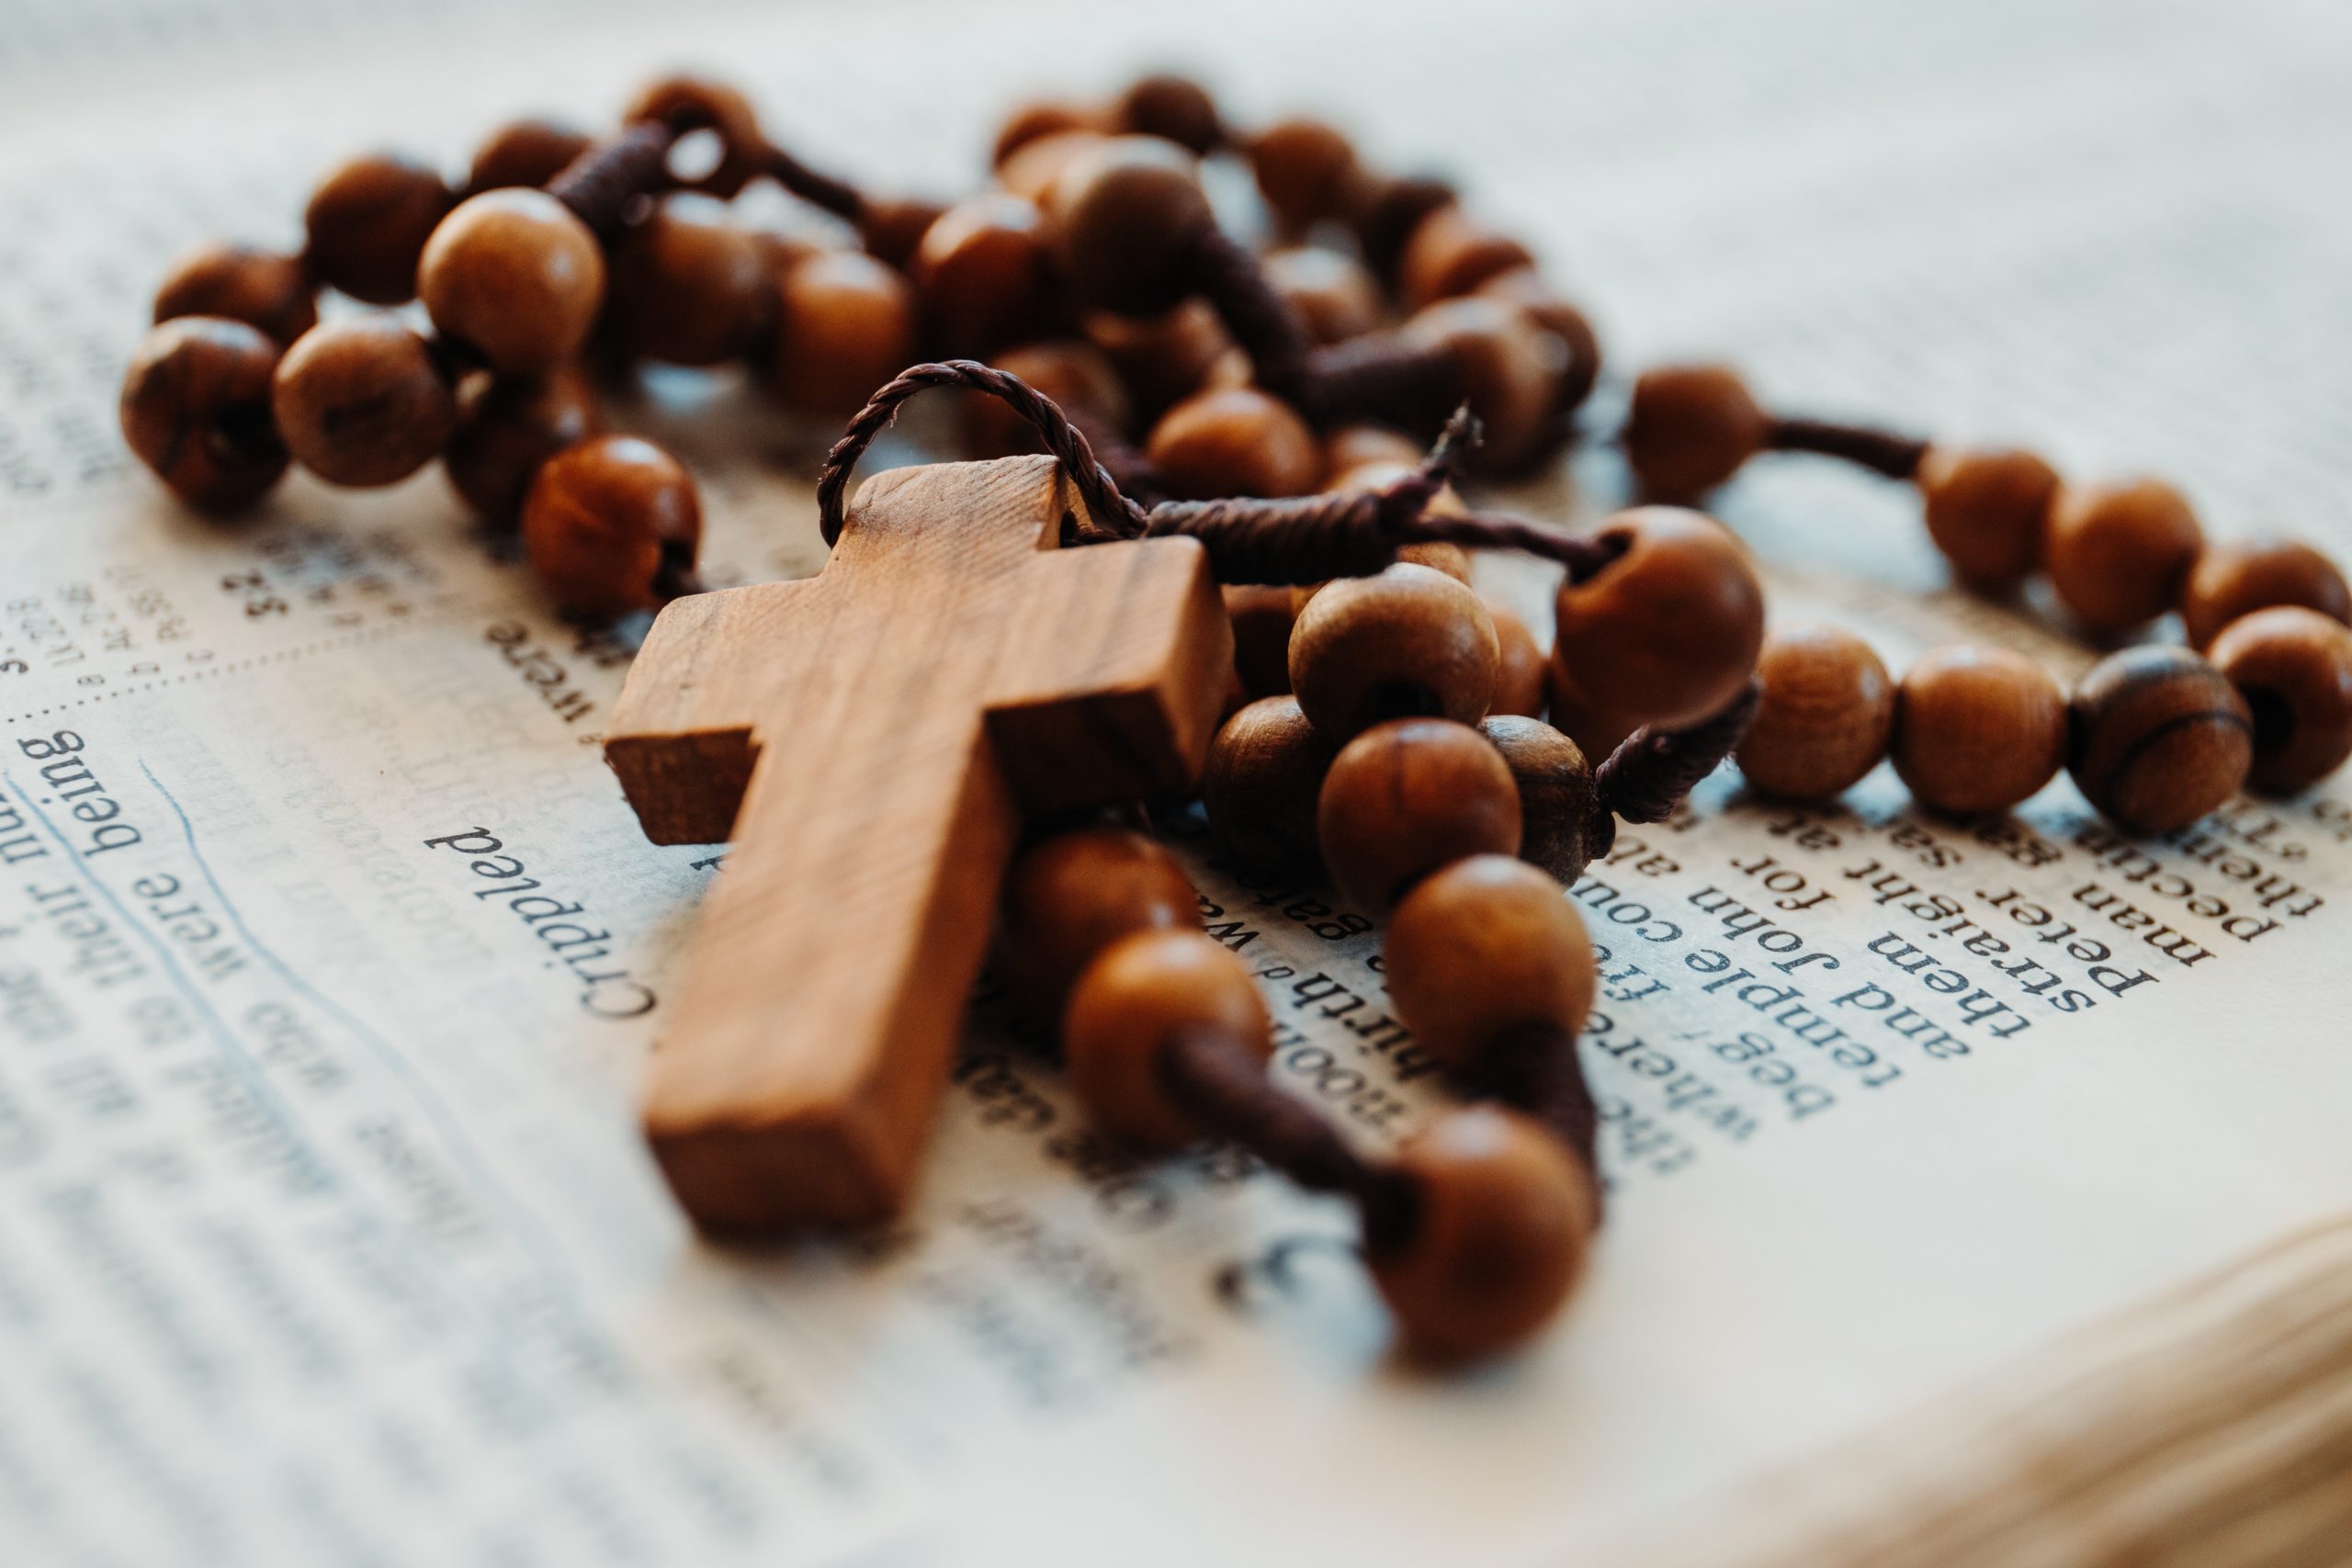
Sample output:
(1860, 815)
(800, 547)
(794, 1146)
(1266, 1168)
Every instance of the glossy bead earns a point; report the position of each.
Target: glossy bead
(1335, 298)
(1481, 947)
(195, 409)
(526, 152)
(262, 288)
(1510, 373)
(692, 103)
(1176, 107)
(2293, 666)
(1069, 896)
(982, 271)
(1261, 618)
(1307, 171)
(605, 519)
(2235, 579)
(1826, 715)
(1237, 441)
(363, 401)
(515, 276)
(1031, 172)
(1689, 429)
(1977, 730)
(1130, 1004)
(1525, 288)
(1073, 373)
(1260, 786)
(1354, 447)
(1406, 641)
(1033, 122)
(1166, 359)
(1408, 796)
(510, 429)
(1519, 670)
(845, 324)
(367, 223)
(1986, 511)
(1561, 825)
(2157, 737)
(1502, 1220)
(1667, 632)
(1125, 213)
(2118, 555)
(1452, 254)
(688, 284)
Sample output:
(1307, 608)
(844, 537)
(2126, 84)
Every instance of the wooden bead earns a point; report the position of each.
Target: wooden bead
(2230, 581)
(1261, 618)
(1597, 730)
(1452, 254)
(1481, 947)
(891, 227)
(688, 284)
(1510, 372)
(1986, 511)
(265, 290)
(1977, 730)
(511, 428)
(1031, 172)
(1354, 447)
(2293, 666)
(1175, 107)
(1386, 210)
(1072, 372)
(526, 153)
(983, 274)
(1407, 641)
(1130, 1004)
(1069, 896)
(2157, 737)
(1334, 297)
(1519, 666)
(1689, 429)
(1667, 632)
(195, 409)
(693, 104)
(2118, 555)
(603, 521)
(363, 401)
(845, 325)
(1525, 288)
(1033, 122)
(1235, 441)
(1261, 785)
(1562, 826)
(1827, 712)
(1502, 1224)
(1408, 796)
(515, 276)
(367, 223)
(1307, 171)
(1125, 213)
(1164, 359)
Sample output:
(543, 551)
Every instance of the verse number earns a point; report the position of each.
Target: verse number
(253, 589)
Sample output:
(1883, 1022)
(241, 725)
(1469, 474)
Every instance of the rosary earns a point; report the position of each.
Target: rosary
(1211, 548)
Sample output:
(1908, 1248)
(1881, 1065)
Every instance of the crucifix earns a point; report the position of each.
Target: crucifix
(871, 738)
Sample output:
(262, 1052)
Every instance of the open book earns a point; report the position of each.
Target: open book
(1979, 1191)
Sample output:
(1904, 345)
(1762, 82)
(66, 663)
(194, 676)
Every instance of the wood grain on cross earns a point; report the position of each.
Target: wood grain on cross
(871, 737)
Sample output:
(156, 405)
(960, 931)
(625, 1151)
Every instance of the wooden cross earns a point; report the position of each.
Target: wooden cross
(871, 737)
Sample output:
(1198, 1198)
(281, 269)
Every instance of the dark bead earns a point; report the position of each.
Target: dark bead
(195, 409)
(509, 429)
(1510, 370)
(1069, 896)
(525, 152)
(2230, 581)
(1561, 827)
(2158, 738)
(1264, 775)
(1307, 171)
(1126, 212)
(262, 288)
(367, 223)
(1176, 107)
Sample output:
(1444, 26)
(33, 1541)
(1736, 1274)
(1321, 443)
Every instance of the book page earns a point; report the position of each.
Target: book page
(326, 1234)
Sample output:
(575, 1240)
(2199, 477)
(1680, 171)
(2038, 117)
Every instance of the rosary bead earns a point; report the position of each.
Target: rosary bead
(1237, 441)
(1166, 359)
(689, 104)
(1519, 666)
(1827, 711)
(1510, 375)
(1452, 254)
(1307, 171)
(892, 227)
(1031, 172)
(1977, 730)
(1263, 777)
(1175, 107)
(1503, 1217)
(983, 274)
(2118, 555)
(1986, 511)
(1596, 729)
(2158, 738)
(511, 428)
(1069, 896)
(2230, 581)
(195, 409)
(1262, 618)
(2293, 666)
(1481, 947)
(606, 520)
(688, 284)
(1354, 447)
(1124, 212)
(261, 288)
(1525, 288)
(1033, 122)
(1561, 825)
(513, 276)
(1689, 429)
(528, 152)
(367, 223)
(1073, 373)
(1408, 796)
(363, 401)
(845, 325)
(1407, 641)
(1130, 1004)
(1668, 631)
(1335, 298)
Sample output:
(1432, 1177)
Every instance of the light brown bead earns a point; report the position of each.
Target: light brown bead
(1503, 1219)
(1354, 447)
(1977, 730)
(1407, 641)
(1508, 369)
(2293, 666)
(1235, 441)
(1164, 359)
(1069, 896)
(1176, 107)
(1826, 715)
(363, 401)
(1261, 784)
(528, 152)
(694, 104)
(1667, 632)
(2118, 555)
(368, 223)
(845, 325)
(982, 272)
(606, 519)
(1525, 288)
(1031, 172)
(262, 288)
(1689, 429)
(1072, 372)
(1986, 511)
(1125, 213)
(891, 227)
(515, 276)
(1452, 254)
(1519, 671)
(1481, 947)
(511, 428)
(688, 284)
(1033, 122)
(1561, 827)
(1307, 171)
(2235, 579)
(1408, 796)
(195, 409)
(1261, 618)
(2157, 737)
(1130, 1004)
(1334, 297)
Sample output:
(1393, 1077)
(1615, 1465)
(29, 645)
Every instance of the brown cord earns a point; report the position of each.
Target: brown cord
(1224, 271)
(1651, 770)
(1380, 376)
(1880, 451)
(1533, 1067)
(837, 196)
(603, 183)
